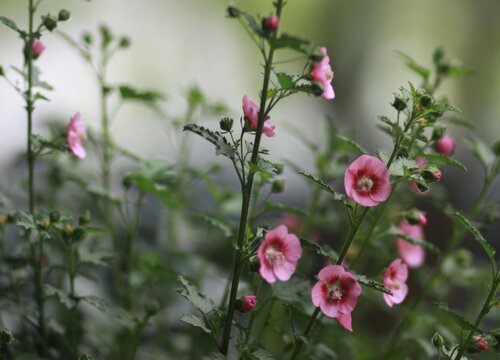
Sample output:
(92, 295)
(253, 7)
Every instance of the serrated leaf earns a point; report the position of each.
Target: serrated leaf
(127, 92)
(94, 257)
(196, 322)
(323, 250)
(198, 300)
(286, 81)
(446, 160)
(262, 354)
(401, 166)
(290, 42)
(221, 145)
(63, 297)
(25, 220)
(336, 196)
(425, 244)
(252, 23)
(97, 302)
(459, 319)
(477, 235)
(412, 65)
(219, 223)
(10, 23)
(362, 279)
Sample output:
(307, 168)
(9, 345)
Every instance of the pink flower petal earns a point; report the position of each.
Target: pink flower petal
(285, 270)
(318, 293)
(346, 321)
(413, 255)
(330, 309)
(267, 273)
(330, 272)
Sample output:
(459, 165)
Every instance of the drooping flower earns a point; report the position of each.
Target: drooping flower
(394, 279)
(367, 182)
(336, 294)
(247, 303)
(278, 255)
(481, 343)
(271, 23)
(251, 113)
(446, 145)
(37, 49)
(413, 255)
(76, 134)
(322, 74)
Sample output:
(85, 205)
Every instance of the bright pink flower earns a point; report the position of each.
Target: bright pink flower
(76, 134)
(251, 113)
(446, 145)
(367, 182)
(413, 255)
(278, 254)
(394, 279)
(271, 23)
(322, 73)
(481, 343)
(336, 294)
(37, 49)
(248, 303)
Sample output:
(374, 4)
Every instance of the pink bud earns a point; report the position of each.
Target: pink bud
(248, 303)
(437, 175)
(271, 23)
(37, 49)
(423, 219)
(446, 145)
(481, 343)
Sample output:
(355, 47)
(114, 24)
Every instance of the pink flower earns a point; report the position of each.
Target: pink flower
(278, 255)
(76, 134)
(446, 145)
(251, 113)
(367, 182)
(413, 255)
(322, 74)
(37, 49)
(248, 303)
(336, 294)
(481, 343)
(271, 23)
(394, 279)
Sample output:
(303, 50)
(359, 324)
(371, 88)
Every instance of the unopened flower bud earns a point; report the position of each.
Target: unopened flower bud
(6, 337)
(432, 174)
(49, 22)
(87, 38)
(425, 101)
(124, 42)
(106, 36)
(316, 56)
(416, 217)
(271, 23)
(68, 229)
(445, 145)
(54, 216)
(398, 104)
(233, 11)
(437, 341)
(278, 186)
(64, 15)
(226, 124)
(152, 308)
(246, 303)
(438, 132)
(37, 48)
(481, 343)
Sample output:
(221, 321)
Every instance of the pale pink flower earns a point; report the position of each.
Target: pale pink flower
(271, 23)
(278, 255)
(76, 134)
(446, 145)
(251, 113)
(367, 182)
(413, 255)
(336, 294)
(248, 303)
(394, 279)
(322, 74)
(481, 343)
(37, 49)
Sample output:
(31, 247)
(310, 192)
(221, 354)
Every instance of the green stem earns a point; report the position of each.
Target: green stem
(73, 321)
(306, 332)
(247, 193)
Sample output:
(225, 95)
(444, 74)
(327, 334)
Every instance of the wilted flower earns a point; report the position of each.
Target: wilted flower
(322, 74)
(394, 279)
(336, 294)
(446, 145)
(76, 134)
(251, 113)
(413, 255)
(367, 182)
(278, 254)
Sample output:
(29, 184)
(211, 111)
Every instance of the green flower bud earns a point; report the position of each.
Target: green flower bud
(152, 308)
(106, 36)
(398, 104)
(233, 11)
(437, 341)
(425, 101)
(316, 55)
(54, 216)
(64, 15)
(87, 38)
(278, 186)
(124, 42)
(49, 22)
(226, 124)
(438, 132)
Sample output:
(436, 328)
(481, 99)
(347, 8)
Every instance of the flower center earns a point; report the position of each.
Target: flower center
(365, 184)
(274, 256)
(334, 291)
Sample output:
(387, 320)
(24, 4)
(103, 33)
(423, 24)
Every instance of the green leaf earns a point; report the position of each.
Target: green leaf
(219, 223)
(74, 44)
(290, 42)
(198, 300)
(252, 23)
(336, 196)
(446, 160)
(25, 220)
(39, 144)
(286, 81)
(129, 93)
(481, 151)
(402, 166)
(412, 65)
(459, 319)
(97, 302)
(102, 194)
(362, 279)
(284, 208)
(323, 250)
(40, 96)
(344, 143)
(63, 297)
(221, 145)
(425, 244)
(261, 354)
(11, 24)
(94, 257)
(477, 235)
(196, 322)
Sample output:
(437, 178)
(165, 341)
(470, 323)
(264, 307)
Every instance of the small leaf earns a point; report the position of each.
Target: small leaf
(198, 300)
(362, 279)
(336, 196)
(446, 160)
(261, 354)
(347, 144)
(289, 42)
(286, 81)
(477, 235)
(252, 23)
(63, 297)
(40, 96)
(221, 145)
(148, 96)
(10, 23)
(412, 65)
(459, 319)
(196, 322)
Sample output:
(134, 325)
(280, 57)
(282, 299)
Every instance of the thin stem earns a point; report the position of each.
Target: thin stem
(307, 330)
(247, 193)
